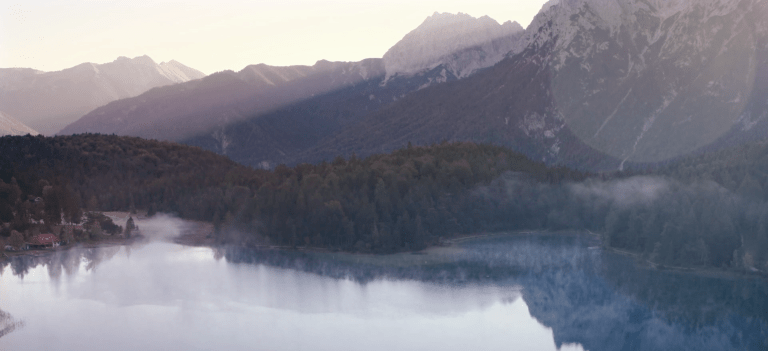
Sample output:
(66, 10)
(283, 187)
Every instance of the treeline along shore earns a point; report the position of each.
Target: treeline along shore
(705, 211)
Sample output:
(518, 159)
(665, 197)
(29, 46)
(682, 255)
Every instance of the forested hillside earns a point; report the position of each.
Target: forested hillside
(99, 172)
(418, 195)
(385, 203)
(709, 211)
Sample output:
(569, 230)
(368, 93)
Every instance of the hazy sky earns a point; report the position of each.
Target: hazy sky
(216, 35)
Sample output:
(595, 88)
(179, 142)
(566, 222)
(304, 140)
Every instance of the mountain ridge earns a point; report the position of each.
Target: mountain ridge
(442, 35)
(48, 101)
(262, 99)
(182, 111)
(625, 80)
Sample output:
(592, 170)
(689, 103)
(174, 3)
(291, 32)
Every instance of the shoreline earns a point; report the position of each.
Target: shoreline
(199, 239)
(640, 262)
(118, 217)
(110, 242)
(200, 234)
(707, 272)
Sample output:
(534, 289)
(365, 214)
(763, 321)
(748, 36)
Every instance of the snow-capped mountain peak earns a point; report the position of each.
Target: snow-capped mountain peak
(444, 34)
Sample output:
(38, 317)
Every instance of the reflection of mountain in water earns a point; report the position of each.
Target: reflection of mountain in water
(589, 297)
(8, 324)
(591, 311)
(480, 261)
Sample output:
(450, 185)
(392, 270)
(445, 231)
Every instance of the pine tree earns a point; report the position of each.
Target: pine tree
(129, 227)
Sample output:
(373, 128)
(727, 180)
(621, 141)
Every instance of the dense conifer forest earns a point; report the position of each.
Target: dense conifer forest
(704, 211)
(405, 200)
(49, 181)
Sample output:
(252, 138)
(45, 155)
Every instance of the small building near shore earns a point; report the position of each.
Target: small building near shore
(43, 241)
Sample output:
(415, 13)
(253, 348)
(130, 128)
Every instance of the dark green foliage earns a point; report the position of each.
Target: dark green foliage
(728, 226)
(109, 173)
(384, 203)
(106, 225)
(705, 211)
(130, 226)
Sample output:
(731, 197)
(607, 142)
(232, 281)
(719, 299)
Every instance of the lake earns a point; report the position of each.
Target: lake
(503, 292)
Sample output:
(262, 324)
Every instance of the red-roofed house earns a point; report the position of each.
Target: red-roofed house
(44, 240)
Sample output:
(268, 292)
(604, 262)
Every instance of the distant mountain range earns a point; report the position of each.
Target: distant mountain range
(48, 101)
(182, 111)
(595, 84)
(265, 115)
(598, 84)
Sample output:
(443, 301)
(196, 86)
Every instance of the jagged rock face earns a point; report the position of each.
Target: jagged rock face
(507, 104)
(12, 126)
(646, 81)
(461, 42)
(48, 101)
(603, 82)
(202, 106)
(595, 84)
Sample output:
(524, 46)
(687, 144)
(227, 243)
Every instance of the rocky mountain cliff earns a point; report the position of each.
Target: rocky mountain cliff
(461, 42)
(443, 49)
(265, 115)
(595, 84)
(646, 81)
(12, 126)
(48, 101)
(598, 83)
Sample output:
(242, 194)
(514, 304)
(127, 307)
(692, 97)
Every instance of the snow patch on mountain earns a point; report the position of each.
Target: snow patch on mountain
(630, 75)
(460, 41)
(11, 126)
(179, 73)
(557, 18)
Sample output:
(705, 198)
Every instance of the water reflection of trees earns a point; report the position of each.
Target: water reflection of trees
(481, 261)
(8, 324)
(693, 300)
(61, 262)
(601, 314)
(589, 297)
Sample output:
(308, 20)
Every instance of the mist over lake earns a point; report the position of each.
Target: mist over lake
(425, 175)
(509, 291)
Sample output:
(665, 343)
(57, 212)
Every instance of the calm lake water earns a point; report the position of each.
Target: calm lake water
(514, 292)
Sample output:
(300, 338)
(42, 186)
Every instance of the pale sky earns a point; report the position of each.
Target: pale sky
(213, 36)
